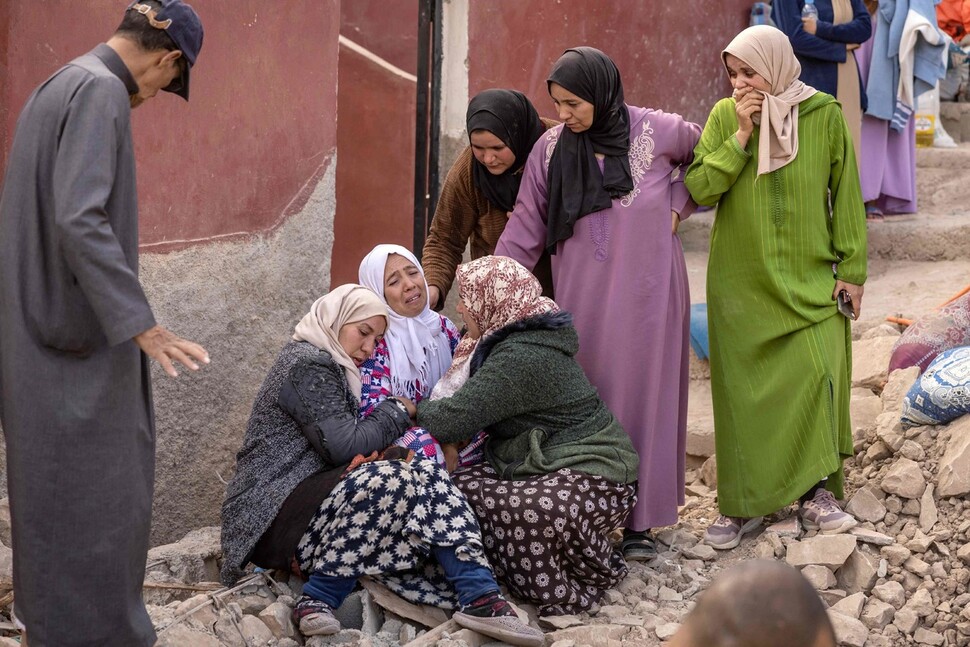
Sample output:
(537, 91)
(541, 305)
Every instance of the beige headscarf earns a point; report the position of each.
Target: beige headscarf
(328, 314)
(767, 51)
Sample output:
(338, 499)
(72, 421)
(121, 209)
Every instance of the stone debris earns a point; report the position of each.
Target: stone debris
(902, 577)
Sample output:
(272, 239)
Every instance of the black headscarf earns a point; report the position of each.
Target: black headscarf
(511, 117)
(576, 186)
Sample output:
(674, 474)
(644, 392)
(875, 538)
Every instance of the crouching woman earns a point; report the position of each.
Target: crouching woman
(304, 492)
(561, 472)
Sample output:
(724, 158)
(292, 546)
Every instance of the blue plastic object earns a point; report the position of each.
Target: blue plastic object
(698, 330)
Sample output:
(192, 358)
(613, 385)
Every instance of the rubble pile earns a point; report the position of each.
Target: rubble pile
(902, 577)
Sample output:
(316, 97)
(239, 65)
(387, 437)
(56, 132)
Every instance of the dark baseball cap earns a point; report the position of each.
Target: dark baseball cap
(183, 26)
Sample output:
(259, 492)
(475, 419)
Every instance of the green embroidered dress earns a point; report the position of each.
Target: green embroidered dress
(780, 350)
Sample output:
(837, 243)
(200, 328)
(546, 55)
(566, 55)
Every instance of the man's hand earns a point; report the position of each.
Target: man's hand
(854, 292)
(165, 347)
(810, 25)
(433, 295)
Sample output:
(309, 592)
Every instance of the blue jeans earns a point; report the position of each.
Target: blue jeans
(470, 580)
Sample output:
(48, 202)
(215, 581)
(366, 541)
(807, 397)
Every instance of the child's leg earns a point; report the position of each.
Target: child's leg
(471, 580)
(330, 589)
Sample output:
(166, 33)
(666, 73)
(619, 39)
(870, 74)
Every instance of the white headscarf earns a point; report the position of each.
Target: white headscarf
(328, 314)
(418, 347)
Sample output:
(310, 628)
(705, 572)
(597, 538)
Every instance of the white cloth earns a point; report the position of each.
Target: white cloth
(419, 348)
(916, 26)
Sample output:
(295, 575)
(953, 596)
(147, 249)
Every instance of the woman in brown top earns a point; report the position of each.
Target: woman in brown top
(481, 187)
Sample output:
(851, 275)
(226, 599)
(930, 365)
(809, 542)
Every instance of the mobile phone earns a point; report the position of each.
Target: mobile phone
(844, 303)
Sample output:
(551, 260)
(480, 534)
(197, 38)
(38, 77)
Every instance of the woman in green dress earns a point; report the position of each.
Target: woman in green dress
(789, 238)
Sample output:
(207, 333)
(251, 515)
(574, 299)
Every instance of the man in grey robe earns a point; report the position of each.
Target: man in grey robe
(76, 335)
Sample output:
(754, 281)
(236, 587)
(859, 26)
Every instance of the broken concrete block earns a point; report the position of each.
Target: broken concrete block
(953, 476)
(858, 574)
(864, 506)
(825, 550)
(848, 631)
(904, 479)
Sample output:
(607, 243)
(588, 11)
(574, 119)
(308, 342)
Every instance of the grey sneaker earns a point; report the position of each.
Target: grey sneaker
(505, 628)
(492, 615)
(314, 617)
(726, 532)
(823, 513)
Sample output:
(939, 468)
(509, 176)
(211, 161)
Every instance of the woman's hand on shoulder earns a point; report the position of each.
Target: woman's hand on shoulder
(433, 295)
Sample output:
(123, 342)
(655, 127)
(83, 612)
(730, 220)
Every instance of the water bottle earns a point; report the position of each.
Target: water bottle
(810, 10)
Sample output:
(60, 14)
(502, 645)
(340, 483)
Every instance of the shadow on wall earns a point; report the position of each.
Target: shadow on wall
(236, 187)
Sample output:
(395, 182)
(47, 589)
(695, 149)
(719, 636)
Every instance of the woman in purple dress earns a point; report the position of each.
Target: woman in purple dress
(887, 157)
(603, 194)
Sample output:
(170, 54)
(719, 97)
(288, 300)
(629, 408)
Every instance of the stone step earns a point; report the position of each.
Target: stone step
(915, 237)
(956, 160)
(942, 177)
(940, 231)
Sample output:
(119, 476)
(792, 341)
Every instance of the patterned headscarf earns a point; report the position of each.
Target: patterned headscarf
(328, 314)
(496, 291)
(768, 52)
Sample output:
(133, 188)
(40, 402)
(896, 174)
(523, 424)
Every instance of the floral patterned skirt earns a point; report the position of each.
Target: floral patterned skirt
(382, 520)
(546, 536)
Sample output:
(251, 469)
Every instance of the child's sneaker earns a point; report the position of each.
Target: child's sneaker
(314, 617)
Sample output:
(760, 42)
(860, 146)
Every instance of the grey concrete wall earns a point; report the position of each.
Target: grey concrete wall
(240, 300)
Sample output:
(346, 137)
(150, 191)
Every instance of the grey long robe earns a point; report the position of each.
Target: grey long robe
(75, 395)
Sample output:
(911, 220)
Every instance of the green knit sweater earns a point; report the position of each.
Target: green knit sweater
(540, 411)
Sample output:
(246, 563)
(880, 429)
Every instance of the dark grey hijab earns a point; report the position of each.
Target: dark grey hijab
(510, 116)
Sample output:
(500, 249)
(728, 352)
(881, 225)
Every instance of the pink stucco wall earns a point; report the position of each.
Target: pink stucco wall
(376, 134)
(259, 128)
(375, 171)
(668, 53)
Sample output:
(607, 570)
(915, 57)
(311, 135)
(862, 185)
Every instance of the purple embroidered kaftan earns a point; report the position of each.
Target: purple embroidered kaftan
(622, 275)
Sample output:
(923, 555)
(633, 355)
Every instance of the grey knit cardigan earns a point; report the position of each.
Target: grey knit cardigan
(305, 402)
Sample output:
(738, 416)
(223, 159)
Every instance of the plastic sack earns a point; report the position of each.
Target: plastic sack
(942, 392)
(931, 335)
(957, 74)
